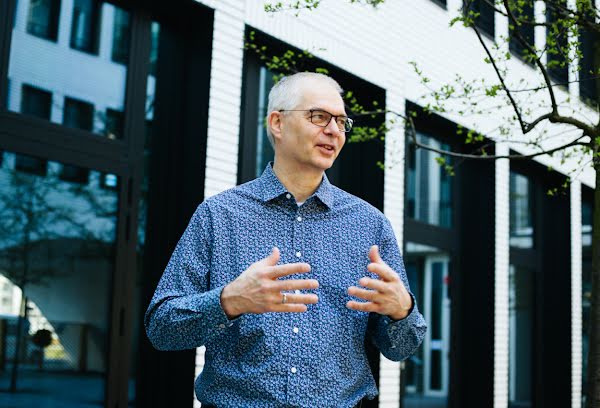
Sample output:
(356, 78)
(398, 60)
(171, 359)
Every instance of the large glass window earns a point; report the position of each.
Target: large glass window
(42, 18)
(429, 186)
(427, 371)
(56, 265)
(556, 37)
(521, 323)
(521, 211)
(522, 12)
(485, 20)
(588, 81)
(96, 78)
(264, 149)
(86, 25)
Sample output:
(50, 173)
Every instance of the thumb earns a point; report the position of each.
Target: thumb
(374, 255)
(272, 259)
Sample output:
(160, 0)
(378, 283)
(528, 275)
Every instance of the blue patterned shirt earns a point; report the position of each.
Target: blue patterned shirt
(311, 359)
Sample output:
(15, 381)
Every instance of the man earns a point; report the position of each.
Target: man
(274, 277)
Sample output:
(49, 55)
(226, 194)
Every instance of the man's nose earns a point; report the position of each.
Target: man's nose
(332, 127)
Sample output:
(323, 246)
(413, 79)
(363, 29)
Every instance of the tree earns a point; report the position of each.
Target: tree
(42, 228)
(546, 119)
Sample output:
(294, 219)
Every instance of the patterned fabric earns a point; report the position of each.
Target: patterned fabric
(311, 359)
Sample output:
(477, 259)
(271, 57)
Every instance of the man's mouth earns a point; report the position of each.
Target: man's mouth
(327, 147)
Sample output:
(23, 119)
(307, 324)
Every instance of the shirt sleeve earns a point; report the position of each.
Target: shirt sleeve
(397, 340)
(184, 313)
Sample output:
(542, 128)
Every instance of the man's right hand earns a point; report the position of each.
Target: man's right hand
(258, 289)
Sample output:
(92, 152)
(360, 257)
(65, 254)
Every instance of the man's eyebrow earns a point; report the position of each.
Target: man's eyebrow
(325, 110)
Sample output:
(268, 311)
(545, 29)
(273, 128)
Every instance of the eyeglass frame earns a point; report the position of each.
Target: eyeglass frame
(348, 119)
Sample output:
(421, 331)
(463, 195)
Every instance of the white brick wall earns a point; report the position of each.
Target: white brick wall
(502, 259)
(377, 45)
(576, 309)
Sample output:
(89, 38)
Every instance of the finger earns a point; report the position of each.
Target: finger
(279, 271)
(384, 271)
(374, 254)
(270, 260)
(365, 294)
(374, 284)
(362, 306)
(288, 308)
(306, 299)
(293, 284)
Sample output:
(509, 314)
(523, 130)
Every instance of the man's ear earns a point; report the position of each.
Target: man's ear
(274, 123)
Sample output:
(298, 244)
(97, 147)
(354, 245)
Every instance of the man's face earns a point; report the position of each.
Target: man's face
(305, 145)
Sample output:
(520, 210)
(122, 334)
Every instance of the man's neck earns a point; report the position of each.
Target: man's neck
(298, 181)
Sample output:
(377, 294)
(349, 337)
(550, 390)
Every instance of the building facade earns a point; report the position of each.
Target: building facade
(118, 118)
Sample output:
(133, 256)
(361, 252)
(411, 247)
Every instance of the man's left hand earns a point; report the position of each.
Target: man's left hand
(386, 296)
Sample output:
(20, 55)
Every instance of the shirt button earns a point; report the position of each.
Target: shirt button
(288, 196)
(299, 218)
(221, 326)
(298, 254)
(296, 330)
(293, 370)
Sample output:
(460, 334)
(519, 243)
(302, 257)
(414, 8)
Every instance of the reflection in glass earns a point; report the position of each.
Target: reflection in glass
(42, 18)
(60, 70)
(521, 211)
(429, 186)
(586, 287)
(264, 149)
(120, 45)
(78, 115)
(521, 319)
(426, 374)
(56, 262)
(34, 102)
(85, 26)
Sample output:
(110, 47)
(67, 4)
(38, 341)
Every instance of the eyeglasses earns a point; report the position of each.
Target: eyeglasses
(322, 118)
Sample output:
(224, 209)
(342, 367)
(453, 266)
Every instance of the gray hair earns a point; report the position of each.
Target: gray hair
(287, 93)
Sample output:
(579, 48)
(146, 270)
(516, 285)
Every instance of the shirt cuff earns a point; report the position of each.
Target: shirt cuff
(209, 304)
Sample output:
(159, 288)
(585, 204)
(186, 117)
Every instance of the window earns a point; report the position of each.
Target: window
(485, 19)
(34, 102)
(557, 46)
(521, 211)
(429, 186)
(120, 45)
(102, 84)
(42, 19)
(521, 322)
(524, 15)
(78, 115)
(86, 24)
(113, 124)
(588, 83)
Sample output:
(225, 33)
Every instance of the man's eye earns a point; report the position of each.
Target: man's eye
(318, 116)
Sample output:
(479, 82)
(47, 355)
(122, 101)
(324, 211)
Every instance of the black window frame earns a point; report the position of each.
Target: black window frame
(485, 22)
(92, 40)
(551, 265)
(559, 74)
(527, 32)
(53, 23)
(470, 245)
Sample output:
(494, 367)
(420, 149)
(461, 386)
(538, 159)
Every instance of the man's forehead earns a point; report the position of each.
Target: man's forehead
(320, 95)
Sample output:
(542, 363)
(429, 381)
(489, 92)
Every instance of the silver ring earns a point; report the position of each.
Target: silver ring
(284, 300)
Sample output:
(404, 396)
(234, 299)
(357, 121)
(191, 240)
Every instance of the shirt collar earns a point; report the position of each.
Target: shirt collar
(269, 187)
